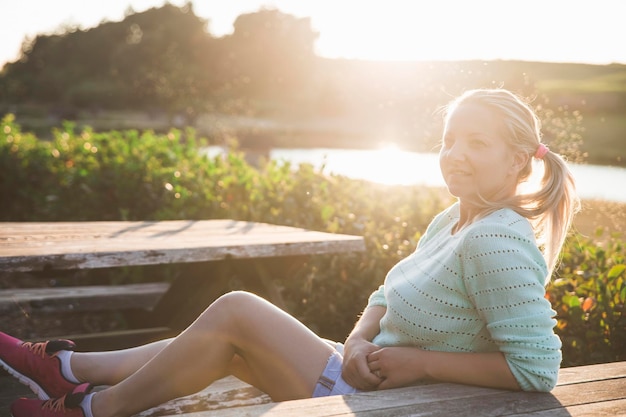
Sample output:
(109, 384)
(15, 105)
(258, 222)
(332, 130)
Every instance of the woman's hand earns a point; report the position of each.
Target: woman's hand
(402, 366)
(397, 366)
(356, 370)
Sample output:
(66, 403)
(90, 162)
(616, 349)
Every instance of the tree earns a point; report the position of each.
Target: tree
(159, 58)
(270, 55)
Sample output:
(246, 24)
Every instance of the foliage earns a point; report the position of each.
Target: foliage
(150, 59)
(589, 296)
(142, 176)
(161, 60)
(269, 54)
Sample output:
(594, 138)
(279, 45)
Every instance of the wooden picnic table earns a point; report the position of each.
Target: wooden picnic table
(210, 253)
(37, 246)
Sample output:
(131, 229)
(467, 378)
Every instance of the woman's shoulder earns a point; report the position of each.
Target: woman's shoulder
(507, 218)
(447, 216)
(503, 240)
(504, 219)
(444, 218)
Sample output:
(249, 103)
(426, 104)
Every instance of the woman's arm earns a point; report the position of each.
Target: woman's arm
(358, 346)
(507, 289)
(401, 366)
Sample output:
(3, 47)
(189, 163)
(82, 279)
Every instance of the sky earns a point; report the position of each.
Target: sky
(585, 31)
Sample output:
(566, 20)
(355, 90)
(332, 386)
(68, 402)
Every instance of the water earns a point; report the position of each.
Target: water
(393, 166)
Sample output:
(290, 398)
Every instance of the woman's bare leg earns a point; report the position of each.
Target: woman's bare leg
(112, 367)
(281, 356)
(109, 368)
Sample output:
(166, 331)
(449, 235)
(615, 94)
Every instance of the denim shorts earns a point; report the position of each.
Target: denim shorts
(331, 382)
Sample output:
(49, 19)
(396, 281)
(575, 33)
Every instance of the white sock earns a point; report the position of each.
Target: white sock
(66, 370)
(86, 405)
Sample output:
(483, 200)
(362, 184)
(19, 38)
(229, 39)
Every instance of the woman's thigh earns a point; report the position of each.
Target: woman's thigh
(273, 351)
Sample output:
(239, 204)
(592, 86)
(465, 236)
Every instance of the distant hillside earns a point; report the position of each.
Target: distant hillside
(162, 67)
(399, 99)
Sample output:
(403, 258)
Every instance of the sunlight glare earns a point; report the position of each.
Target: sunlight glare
(388, 165)
(533, 183)
(399, 30)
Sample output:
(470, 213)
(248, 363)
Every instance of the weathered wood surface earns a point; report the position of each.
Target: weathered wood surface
(227, 392)
(83, 298)
(596, 390)
(33, 246)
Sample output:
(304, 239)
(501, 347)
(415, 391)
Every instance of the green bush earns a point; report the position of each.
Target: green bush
(589, 294)
(142, 176)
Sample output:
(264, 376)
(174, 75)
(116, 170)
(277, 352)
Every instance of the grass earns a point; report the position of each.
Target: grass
(604, 138)
(601, 83)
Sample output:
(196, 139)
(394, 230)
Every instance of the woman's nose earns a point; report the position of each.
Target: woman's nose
(456, 152)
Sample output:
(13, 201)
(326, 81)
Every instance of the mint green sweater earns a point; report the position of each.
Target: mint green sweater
(478, 290)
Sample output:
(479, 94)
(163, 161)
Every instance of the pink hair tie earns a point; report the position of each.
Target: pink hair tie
(542, 150)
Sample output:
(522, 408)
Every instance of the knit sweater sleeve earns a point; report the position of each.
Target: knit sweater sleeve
(504, 272)
(377, 298)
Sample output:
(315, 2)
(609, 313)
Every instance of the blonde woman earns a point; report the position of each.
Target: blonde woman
(467, 306)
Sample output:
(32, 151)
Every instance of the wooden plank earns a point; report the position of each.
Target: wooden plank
(467, 401)
(35, 246)
(446, 400)
(228, 392)
(384, 401)
(614, 408)
(578, 374)
(83, 298)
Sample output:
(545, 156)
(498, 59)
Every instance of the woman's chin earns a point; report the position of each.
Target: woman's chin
(458, 191)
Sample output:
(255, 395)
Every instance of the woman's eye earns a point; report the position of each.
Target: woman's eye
(477, 142)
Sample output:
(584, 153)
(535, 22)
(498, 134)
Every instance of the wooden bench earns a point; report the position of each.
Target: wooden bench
(213, 256)
(77, 299)
(594, 390)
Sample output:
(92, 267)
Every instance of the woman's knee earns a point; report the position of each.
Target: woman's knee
(230, 306)
(236, 300)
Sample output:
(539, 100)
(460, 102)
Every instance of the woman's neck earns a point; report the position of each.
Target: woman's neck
(468, 213)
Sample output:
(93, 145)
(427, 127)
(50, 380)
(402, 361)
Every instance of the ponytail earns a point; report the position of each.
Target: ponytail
(552, 207)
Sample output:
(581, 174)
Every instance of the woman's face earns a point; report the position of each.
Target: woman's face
(474, 159)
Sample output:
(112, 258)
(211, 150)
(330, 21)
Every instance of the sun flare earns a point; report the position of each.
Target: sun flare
(401, 30)
(388, 165)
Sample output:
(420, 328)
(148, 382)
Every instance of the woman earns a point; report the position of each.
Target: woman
(467, 306)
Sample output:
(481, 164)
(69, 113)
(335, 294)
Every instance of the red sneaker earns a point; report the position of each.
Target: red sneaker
(66, 406)
(36, 365)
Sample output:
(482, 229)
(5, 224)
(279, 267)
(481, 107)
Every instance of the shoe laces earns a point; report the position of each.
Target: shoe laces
(68, 401)
(56, 405)
(38, 348)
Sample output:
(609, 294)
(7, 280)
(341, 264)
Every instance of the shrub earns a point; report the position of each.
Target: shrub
(142, 176)
(589, 294)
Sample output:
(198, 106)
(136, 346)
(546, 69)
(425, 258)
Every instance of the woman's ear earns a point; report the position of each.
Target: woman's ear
(520, 159)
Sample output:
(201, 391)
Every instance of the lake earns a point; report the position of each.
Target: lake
(394, 166)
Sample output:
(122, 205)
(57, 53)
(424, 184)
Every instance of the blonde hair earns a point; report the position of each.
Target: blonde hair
(552, 205)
